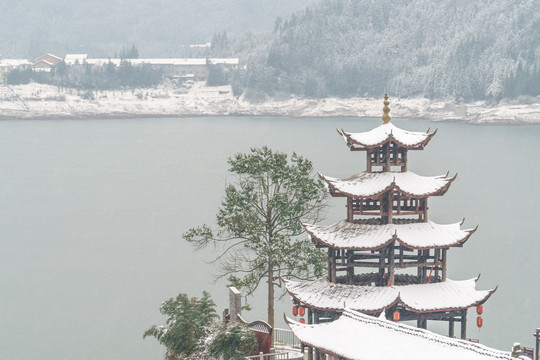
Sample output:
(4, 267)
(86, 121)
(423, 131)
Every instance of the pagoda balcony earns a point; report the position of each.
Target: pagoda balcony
(401, 206)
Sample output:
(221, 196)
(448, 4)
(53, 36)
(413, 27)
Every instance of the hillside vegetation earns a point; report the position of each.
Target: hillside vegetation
(464, 50)
(159, 28)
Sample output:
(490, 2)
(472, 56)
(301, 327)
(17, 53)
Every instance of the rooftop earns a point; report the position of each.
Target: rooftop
(373, 184)
(356, 336)
(384, 133)
(353, 236)
(422, 298)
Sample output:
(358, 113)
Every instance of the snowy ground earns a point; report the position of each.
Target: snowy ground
(43, 101)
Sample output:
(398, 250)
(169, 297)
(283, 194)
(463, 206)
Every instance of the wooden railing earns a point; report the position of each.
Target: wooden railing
(274, 356)
(285, 337)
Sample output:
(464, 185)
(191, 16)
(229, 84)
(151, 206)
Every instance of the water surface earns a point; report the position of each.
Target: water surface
(92, 212)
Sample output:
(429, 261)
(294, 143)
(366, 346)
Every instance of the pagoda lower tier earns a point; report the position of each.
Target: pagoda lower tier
(442, 301)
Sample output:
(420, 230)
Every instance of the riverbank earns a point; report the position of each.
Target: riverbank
(37, 101)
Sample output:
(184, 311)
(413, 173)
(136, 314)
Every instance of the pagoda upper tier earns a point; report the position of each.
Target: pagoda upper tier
(448, 295)
(386, 133)
(415, 236)
(373, 184)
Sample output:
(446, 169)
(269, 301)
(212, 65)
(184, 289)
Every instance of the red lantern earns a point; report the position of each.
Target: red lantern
(295, 310)
(479, 321)
(302, 311)
(480, 309)
(302, 321)
(397, 315)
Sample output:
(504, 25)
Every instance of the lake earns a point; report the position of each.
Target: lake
(92, 212)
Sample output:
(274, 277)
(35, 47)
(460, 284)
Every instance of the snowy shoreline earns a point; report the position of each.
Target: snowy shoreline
(37, 101)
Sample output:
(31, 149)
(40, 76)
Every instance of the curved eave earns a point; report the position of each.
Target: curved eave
(388, 242)
(397, 300)
(339, 193)
(359, 248)
(476, 303)
(336, 309)
(457, 243)
(340, 309)
(351, 142)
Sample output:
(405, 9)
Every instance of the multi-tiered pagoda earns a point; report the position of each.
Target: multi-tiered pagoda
(386, 234)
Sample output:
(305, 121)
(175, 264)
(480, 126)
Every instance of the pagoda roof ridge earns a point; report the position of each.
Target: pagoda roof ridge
(448, 295)
(355, 333)
(414, 235)
(385, 133)
(373, 184)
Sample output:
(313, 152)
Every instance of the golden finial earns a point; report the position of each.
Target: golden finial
(386, 118)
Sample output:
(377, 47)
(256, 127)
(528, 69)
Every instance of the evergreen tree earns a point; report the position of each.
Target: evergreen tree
(259, 222)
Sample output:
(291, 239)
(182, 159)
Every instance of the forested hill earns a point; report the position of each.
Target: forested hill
(159, 28)
(466, 50)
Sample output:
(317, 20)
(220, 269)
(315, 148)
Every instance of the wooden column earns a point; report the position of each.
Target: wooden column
(349, 209)
(390, 205)
(451, 327)
(420, 272)
(391, 262)
(368, 160)
(381, 267)
(404, 166)
(387, 149)
(444, 264)
(437, 256)
(332, 265)
(350, 267)
(464, 325)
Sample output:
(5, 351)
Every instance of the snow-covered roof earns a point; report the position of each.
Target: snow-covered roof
(72, 58)
(355, 336)
(385, 133)
(83, 58)
(172, 61)
(14, 62)
(224, 61)
(353, 236)
(372, 184)
(442, 296)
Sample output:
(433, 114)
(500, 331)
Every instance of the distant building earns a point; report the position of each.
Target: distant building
(74, 58)
(6, 65)
(201, 46)
(49, 58)
(196, 69)
(46, 62)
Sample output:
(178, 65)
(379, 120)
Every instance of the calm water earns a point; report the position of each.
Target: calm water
(92, 212)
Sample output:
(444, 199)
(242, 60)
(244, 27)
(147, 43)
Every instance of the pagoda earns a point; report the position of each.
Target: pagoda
(386, 258)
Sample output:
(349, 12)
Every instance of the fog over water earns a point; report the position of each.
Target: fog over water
(92, 212)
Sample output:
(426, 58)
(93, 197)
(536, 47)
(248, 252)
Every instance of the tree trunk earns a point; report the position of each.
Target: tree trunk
(271, 296)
